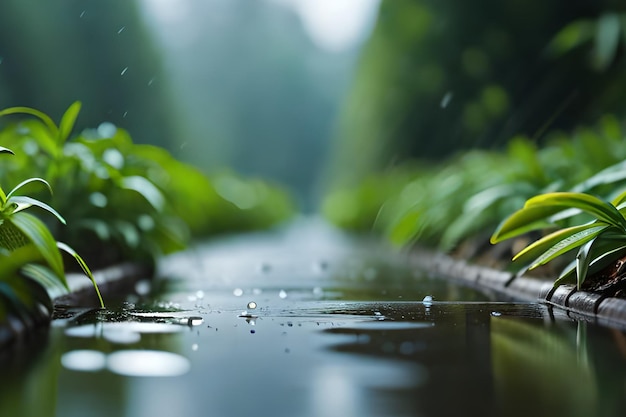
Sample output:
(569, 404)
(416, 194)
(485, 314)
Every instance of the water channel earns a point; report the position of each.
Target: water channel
(310, 322)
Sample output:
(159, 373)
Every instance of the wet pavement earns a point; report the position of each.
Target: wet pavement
(310, 322)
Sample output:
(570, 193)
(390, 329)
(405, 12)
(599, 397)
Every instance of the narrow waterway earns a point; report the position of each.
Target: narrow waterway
(307, 321)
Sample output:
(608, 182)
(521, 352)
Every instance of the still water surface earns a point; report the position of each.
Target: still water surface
(310, 323)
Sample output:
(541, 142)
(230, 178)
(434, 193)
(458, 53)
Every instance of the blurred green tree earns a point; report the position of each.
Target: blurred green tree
(441, 76)
(54, 53)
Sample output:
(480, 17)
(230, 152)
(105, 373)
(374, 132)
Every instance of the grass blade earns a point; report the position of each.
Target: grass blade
(67, 122)
(560, 242)
(83, 265)
(602, 210)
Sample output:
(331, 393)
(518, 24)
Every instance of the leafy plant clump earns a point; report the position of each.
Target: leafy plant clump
(600, 242)
(130, 201)
(30, 257)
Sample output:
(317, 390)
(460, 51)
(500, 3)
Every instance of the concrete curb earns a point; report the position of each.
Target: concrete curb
(609, 311)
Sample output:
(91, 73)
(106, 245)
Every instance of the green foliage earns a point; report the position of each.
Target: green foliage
(130, 201)
(468, 195)
(437, 77)
(608, 227)
(28, 248)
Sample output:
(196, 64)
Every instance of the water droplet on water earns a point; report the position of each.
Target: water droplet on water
(237, 292)
(251, 305)
(496, 313)
(282, 294)
(124, 71)
(428, 300)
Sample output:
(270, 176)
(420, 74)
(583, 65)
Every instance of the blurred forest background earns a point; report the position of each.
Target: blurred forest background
(245, 86)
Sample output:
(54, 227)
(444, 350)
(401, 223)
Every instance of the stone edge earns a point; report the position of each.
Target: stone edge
(81, 293)
(604, 310)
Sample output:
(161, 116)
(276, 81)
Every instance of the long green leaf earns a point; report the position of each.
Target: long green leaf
(602, 210)
(67, 122)
(146, 188)
(45, 277)
(23, 203)
(523, 221)
(565, 245)
(33, 112)
(602, 254)
(41, 237)
(83, 266)
(582, 262)
(11, 263)
(28, 181)
(533, 251)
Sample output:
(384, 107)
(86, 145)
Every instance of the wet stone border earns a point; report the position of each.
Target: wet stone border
(608, 311)
(111, 280)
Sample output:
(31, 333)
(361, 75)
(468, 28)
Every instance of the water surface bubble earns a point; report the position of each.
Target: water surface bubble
(251, 305)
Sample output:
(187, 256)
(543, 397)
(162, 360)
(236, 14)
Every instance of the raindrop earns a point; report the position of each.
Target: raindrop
(496, 313)
(428, 300)
(82, 14)
(124, 71)
(121, 30)
(200, 294)
(282, 294)
(446, 99)
(125, 114)
(0, 60)
(318, 291)
(237, 292)
(251, 305)
(257, 291)
(194, 347)
(84, 360)
(151, 81)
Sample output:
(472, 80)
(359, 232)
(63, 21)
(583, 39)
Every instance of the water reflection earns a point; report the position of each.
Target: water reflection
(84, 360)
(148, 363)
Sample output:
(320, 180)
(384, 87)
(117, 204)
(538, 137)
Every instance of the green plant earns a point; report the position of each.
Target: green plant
(130, 201)
(599, 241)
(28, 248)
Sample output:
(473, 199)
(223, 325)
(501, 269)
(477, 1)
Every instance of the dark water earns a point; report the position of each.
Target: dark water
(308, 323)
